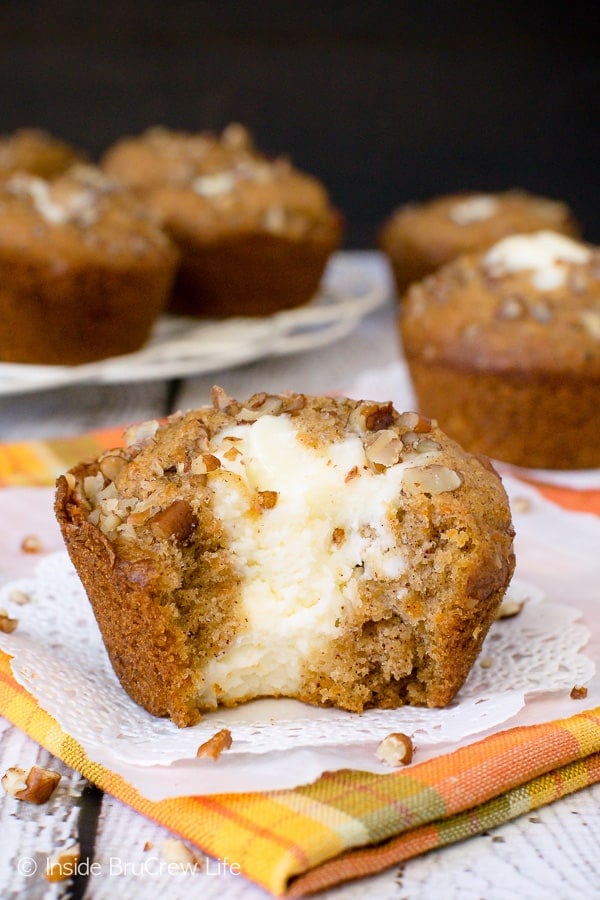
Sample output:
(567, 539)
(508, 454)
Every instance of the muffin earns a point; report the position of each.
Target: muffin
(37, 152)
(324, 549)
(254, 233)
(419, 238)
(503, 348)
(84, 270)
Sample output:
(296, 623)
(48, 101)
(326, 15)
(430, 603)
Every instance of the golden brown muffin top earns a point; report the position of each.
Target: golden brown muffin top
(79, 216)
(37, 152)
(207, 185)
(447, 225)
(529, 303)
(173, 460)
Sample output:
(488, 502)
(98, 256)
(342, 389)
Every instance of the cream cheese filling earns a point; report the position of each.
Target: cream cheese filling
(474, 209)
(544, 253)
(303, 558)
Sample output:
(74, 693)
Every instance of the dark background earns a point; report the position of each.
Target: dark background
(385, 101)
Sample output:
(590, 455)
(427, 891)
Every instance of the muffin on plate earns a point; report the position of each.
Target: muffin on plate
(324, 549)
(84, 270)
(420, 237)
(254, 233)
(37, 152)
(503, 348)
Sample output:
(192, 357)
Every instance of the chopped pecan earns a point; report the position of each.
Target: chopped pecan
(215, 745)
(176, 522)
(396, 749)
(34, 786)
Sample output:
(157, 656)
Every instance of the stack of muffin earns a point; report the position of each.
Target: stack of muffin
(198, 224)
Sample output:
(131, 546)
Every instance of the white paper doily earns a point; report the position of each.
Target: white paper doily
(60, 659)
(179, 346)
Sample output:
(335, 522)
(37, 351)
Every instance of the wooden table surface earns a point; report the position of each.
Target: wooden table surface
(552, 854)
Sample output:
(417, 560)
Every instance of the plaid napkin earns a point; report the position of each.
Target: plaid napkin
(347, 824)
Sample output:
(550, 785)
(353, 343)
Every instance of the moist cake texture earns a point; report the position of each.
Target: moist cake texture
(323, 549)
(503, 348)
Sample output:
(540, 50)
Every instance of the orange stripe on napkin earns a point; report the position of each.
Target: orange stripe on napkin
(39, 463)
(579, 501)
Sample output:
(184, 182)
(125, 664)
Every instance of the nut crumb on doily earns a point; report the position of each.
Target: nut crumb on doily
(509, 608)
(395, 750)
(578, 692)
(7, 625)
(215, 745)
(31, 544)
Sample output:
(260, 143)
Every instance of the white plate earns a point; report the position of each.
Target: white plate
(179, 346)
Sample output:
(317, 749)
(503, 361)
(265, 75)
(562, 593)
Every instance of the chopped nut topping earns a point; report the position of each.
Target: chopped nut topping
(378, 416)
(7, 625)
(176, 522)
(34, 786)
(111, 465)
(215, 745)
(259, 405)
(31, 544)
(384, 447)
(296, 403)
(220, 400)
(395, 750)
(412, 440)
(432, 479)
(141, 433)
(63, 865)
(201, 465)
(267, 499)
(415, 422)
(232, 453)
(351, 474)
(338, 535)
(578, 692)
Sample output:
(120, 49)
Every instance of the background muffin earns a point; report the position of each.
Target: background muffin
(37, 152)
(84, 271)
(504, 350)
(420, 237)
(325, 549)
(254, 233)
